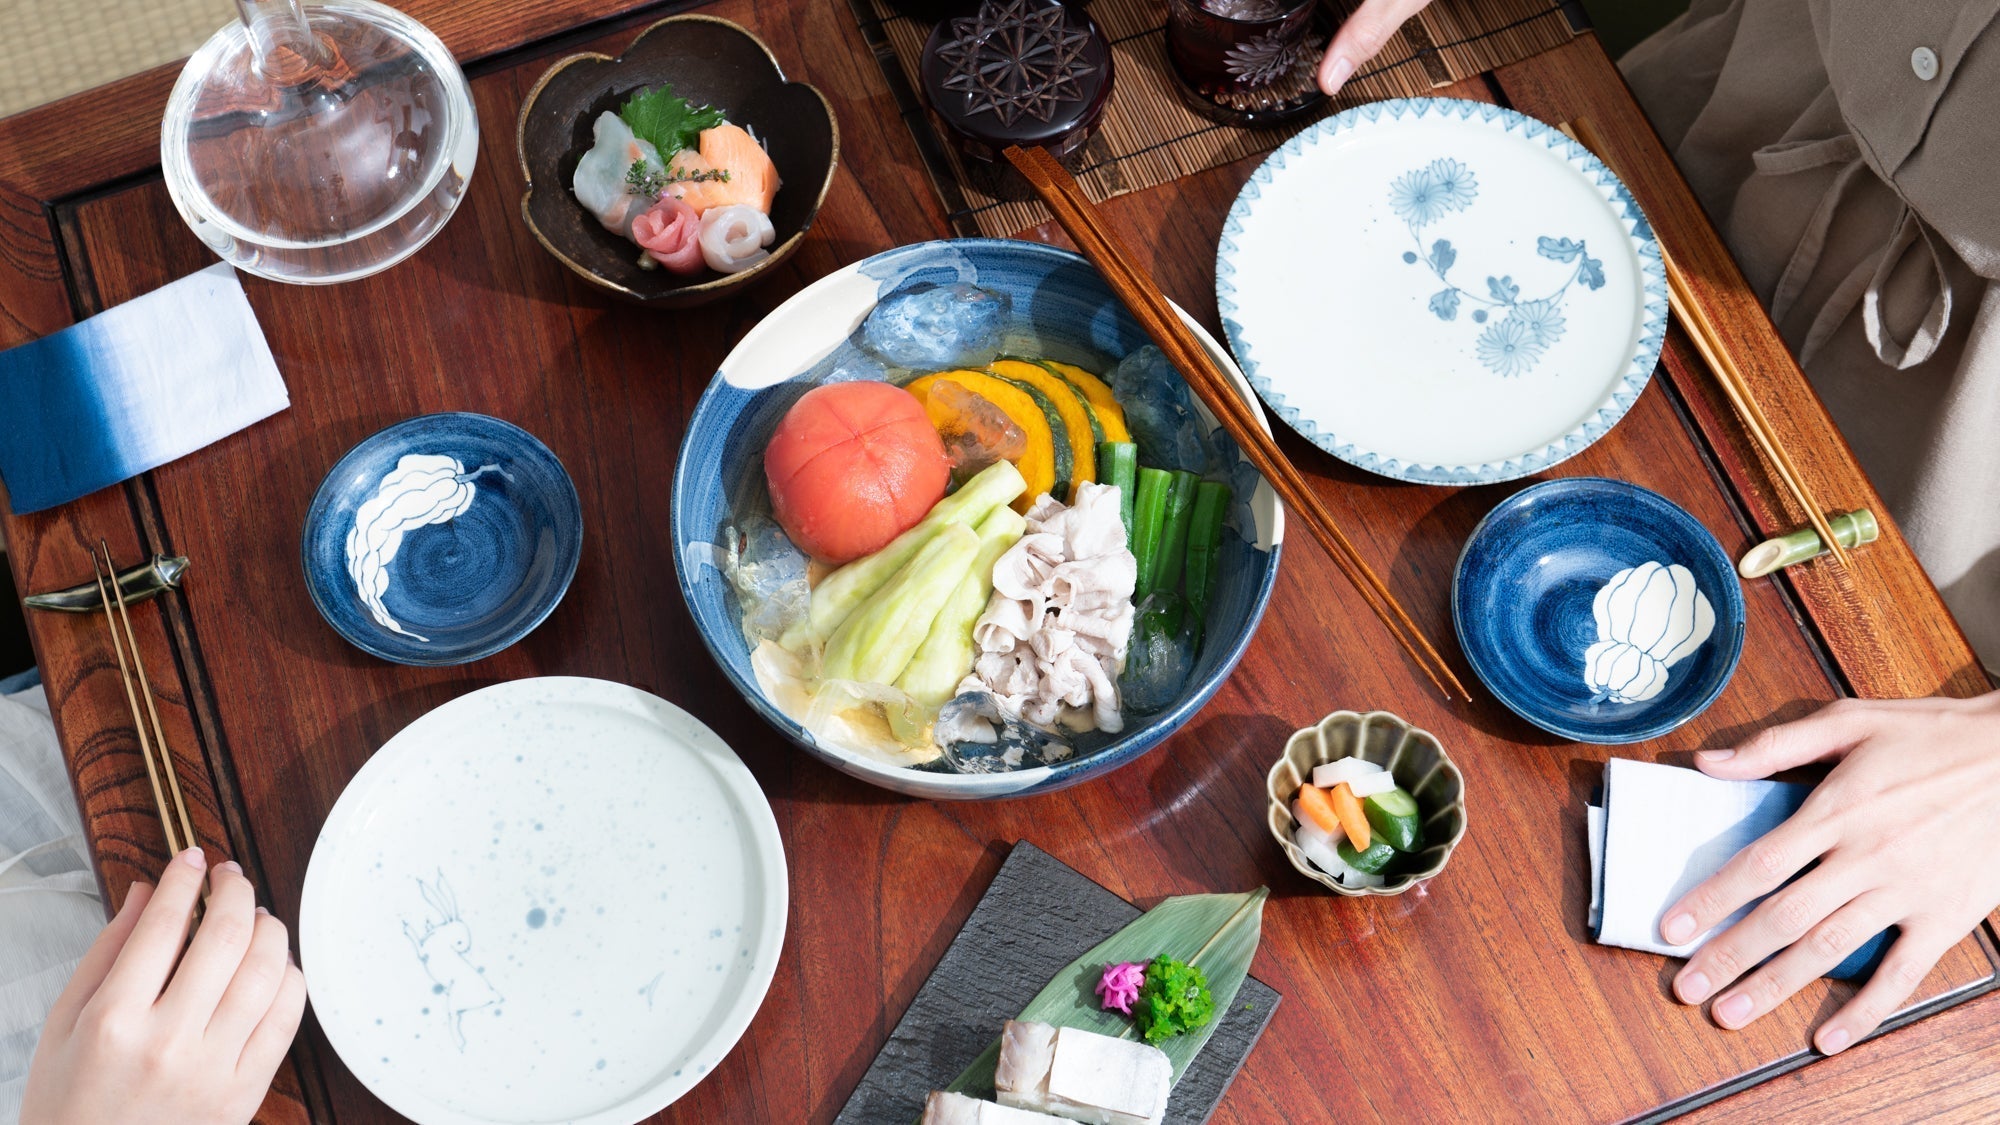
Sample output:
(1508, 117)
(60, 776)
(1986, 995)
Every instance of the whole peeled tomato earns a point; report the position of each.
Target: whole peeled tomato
(852, 466)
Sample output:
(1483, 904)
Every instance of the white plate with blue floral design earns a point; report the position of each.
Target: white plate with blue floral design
(1441, 291)
(548, 900)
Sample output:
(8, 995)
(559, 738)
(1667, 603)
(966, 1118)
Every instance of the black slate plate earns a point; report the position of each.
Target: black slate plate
(1038, 916)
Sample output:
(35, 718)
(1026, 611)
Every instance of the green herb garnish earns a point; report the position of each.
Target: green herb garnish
(1173, 1000)
(643, 181)
(667, 121)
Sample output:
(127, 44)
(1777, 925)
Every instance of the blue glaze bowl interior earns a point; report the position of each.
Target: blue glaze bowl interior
(1523, 603)
(472, 564)
(1060, 309)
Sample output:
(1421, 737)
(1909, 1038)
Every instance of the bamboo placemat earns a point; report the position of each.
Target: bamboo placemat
(1148, 137)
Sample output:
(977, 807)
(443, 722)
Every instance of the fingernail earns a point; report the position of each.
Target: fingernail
(1693, 987)
(1834, 1041)
(261, 910)
(291, 958)
(231, 866)
(1731, 1011)
(1715, 755)
(1338, 74)
(193, 858)
(1678, 929)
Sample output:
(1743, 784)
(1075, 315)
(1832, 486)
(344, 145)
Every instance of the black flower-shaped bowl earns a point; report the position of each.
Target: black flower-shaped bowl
(708, 61)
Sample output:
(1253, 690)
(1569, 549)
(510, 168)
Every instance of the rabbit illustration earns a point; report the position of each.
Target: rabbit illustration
(442, 948)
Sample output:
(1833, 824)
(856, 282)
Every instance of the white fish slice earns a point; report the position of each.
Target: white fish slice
(1081, 1075)
(943, 1108)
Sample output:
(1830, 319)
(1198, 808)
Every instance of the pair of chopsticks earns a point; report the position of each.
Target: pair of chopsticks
(1142, 296)
(1708, 341)
(179, 830)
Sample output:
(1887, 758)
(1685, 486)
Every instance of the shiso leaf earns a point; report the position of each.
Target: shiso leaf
(667, 121)
(1219, 933)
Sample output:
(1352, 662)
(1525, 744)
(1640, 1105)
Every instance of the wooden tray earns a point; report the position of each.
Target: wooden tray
(1483, 994)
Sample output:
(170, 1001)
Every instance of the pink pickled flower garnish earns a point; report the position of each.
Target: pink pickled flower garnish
(1120, 985)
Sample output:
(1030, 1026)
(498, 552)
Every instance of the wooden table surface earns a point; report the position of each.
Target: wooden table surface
(1478, 997)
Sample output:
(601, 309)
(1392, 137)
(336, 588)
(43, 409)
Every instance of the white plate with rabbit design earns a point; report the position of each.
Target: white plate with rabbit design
(1441, 291)
(552, 899)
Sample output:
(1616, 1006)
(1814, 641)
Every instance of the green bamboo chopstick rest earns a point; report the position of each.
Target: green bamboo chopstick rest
(1772, 555)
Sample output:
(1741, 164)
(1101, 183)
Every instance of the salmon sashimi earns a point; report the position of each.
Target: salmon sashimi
(753, 179)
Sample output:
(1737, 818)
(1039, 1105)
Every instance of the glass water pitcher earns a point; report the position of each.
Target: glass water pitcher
(319, 143)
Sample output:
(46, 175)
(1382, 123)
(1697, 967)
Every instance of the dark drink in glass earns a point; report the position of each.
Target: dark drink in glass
(1245, 62)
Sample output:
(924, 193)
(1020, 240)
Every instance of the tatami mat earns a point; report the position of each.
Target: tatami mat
(50, 48)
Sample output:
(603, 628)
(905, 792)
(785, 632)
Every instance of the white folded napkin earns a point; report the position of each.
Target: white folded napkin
(133, 388)
(1661, 831)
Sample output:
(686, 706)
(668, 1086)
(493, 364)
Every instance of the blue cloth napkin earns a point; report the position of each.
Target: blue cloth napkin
(133, 388)
(1661, 830)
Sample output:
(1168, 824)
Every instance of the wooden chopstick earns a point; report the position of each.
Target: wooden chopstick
(179, 838)
(1738, 392)
(1708, 341)
(1150, 307)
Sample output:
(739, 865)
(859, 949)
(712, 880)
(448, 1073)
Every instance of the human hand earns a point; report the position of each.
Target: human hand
(1360, 37)
(1905, 828)
(135, 1038)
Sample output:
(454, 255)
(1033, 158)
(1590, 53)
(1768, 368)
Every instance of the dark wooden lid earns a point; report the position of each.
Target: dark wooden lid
(1033, 72)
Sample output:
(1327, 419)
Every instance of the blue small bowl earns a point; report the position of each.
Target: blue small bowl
(1598, 610)
(1060, 308)
(442, 539)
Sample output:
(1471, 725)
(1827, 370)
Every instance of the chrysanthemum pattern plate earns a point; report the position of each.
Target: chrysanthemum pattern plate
(1441, 291)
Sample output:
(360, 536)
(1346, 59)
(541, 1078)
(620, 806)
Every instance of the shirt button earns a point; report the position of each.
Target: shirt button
(1924, 61)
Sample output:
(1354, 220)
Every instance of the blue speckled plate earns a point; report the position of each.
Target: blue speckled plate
(442, 539)
(1441, 291)
(547, 900)
(1060, 309)
(1598, 610)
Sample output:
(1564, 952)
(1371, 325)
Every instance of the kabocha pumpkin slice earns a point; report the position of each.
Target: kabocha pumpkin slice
(1055, 386)
(1097, 392)
(1046, 463)
(1068, 404)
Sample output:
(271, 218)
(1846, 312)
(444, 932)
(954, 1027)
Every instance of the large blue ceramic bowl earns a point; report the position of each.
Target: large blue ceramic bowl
(442, 539)
(1061, 309)
(1598, 610)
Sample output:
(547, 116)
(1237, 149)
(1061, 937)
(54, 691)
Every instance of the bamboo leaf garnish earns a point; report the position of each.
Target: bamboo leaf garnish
(1218, 933)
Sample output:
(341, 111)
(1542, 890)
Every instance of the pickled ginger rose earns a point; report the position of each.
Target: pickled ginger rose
(670, 231)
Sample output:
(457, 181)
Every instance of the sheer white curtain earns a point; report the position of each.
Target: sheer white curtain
(49, 906)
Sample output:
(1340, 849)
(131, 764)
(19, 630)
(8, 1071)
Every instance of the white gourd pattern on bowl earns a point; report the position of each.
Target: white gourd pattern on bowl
(1649, 617)
(424, 489)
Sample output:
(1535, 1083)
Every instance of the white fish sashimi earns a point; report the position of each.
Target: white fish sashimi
(944, 1108)
(733, 237)
(599, 182)
(1081, 1075)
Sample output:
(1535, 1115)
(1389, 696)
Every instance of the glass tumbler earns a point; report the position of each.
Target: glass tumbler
(318, 143)
(1245, 62)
